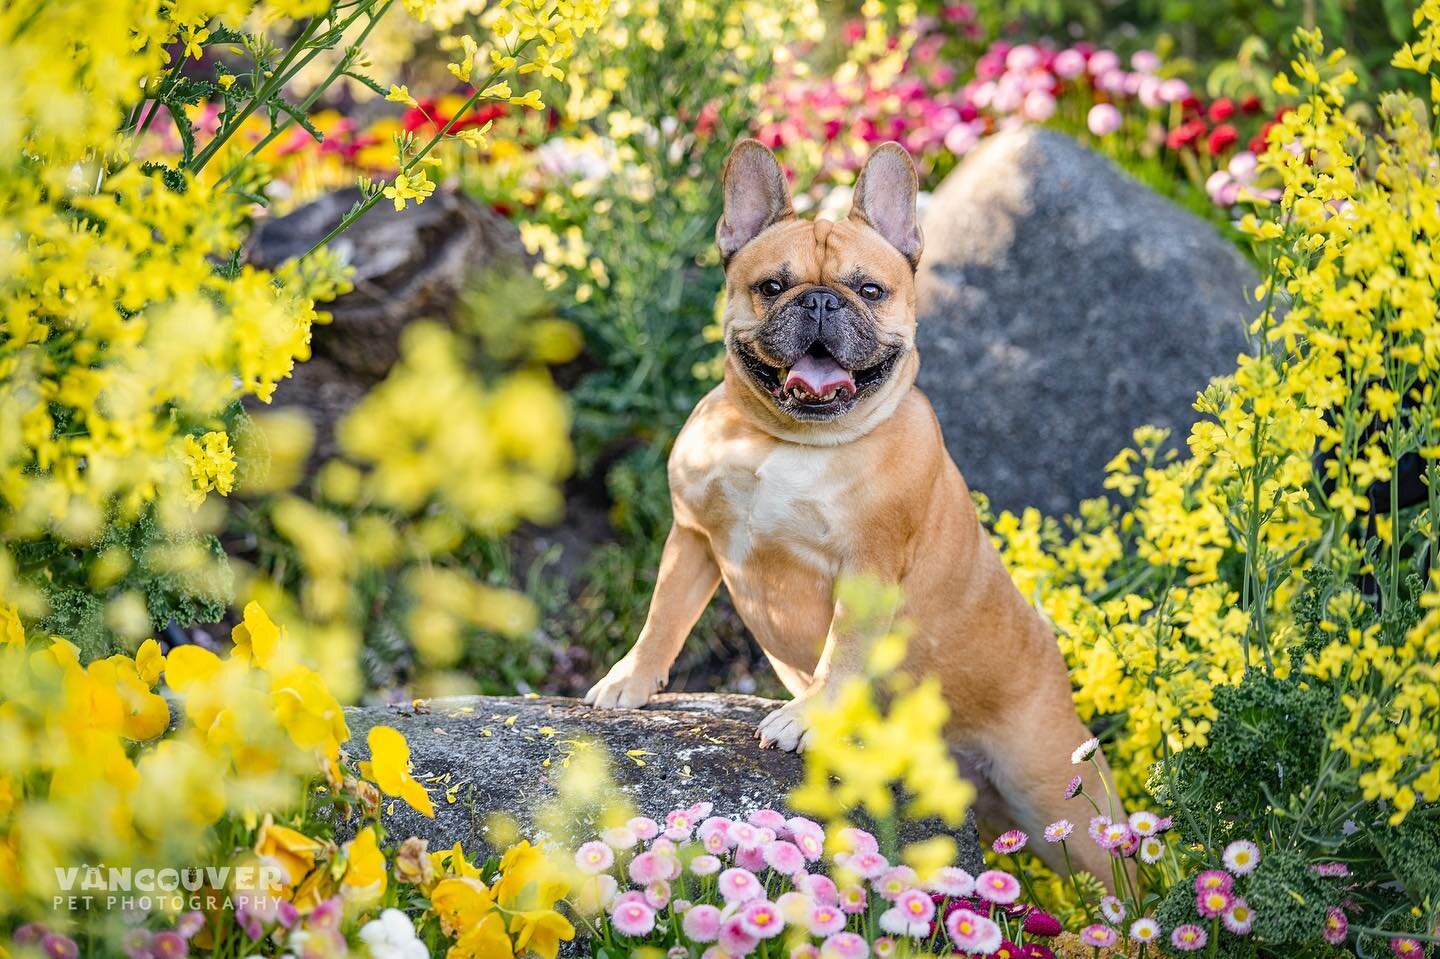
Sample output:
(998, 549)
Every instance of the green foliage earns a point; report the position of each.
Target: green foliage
(1289, 899)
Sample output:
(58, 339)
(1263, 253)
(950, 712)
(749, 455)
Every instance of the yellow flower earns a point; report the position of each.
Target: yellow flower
(467, 913)
(292, 851)
(531, 100)
(365, 875)
(389, 768)
(401, 94)
(412, 186)
(149, 662)
(256, 637)
(12, 631)
(541, 931)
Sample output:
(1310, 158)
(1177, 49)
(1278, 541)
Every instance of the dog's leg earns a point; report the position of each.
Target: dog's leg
(1030, 768)
(687, 579)
(842, 657)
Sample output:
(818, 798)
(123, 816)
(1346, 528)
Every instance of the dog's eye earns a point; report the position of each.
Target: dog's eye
(770, 288)
(871, 291)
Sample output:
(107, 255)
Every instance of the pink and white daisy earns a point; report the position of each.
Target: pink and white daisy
(743, 835)
(678, 825)
(1337, 926)
(868, 865)
(1406, 948)
(762, 920)
(1241, 857)
(648, 867)
(784, 857)
(1112, 909)
(805, 950)
(594, 857)
(1098, 825)
(657, 894)
(844, 945)
(620, 837)
(767, 819)
(1098, 936)
(644, 827)
(1074, 787)
(702, 923)
(972, 933)
(857, 840)
(713, 834)
(1059, 830)
(800, 827)
(1213, 879)
(706, 865)
(1010, 842)
(952, 881)
(997, 886)
(740, 885)
(1239, 918)
(884, 947)
(894, 882)
(1213, 903)
(750, 857)
(681, 906)
(1084, 751)
(819, 888)
(1189, 937)
(734, 938)
(1152, 850)
(853, 899)
(824, 920)
(1116, 835)
(1144, 929)
(910, 916)
(633, 919)
(1144, 822)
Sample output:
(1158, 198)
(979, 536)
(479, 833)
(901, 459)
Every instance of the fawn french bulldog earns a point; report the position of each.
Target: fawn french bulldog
(816, 458)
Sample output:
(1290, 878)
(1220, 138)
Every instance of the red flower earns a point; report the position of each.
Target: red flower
(1034, 950)
(1222, 110)
(1221, 139)
(1040, 923)
(1250, 104)
(1185, 134)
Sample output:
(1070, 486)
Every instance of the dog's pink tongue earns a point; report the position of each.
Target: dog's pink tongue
(818, 375)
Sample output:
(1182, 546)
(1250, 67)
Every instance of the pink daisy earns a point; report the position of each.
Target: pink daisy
(648, 867)
(1406, 948)
(743, 834)
(1010, 842)
(952, 881)
(621, 837)
(1084, 751)
(657, 894)
(1213, 879)
(1144, 929)
(1112, 909)
(1189, 937)
(894, 882)
(911, 914)
(701, 923)
(1098, 824)
(1073, 788)
(713, 834)
(762, 920)
(868, 864)
(1101, 937)
(1337, 926)
(644, 827)
(705, 865)
(734, 938)
(972, 933)
(844, 945)
(1239, 918)
(884, 947)
(819, 888)
(740, 885)
(750, 857)
(1152, 850)
(997, 886)
(1059, 830)
(1241, 857)
(767, 819)
(633, 919)
(812, 846)
(825, 920)
(1145, 823)
(678, 825)
(784, 857)
(594, 857)
(858, 840)
(1213, 903)
(805, 950)
(853, 899)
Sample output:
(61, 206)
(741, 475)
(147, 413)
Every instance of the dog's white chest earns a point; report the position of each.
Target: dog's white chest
(788, 503)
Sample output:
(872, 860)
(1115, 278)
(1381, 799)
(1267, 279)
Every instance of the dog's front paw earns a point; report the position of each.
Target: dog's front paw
(627, 686)
(785, 728)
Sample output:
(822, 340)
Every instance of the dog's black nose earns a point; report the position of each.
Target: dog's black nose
(819, 302)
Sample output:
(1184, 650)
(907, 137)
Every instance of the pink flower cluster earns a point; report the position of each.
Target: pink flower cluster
(727, 885)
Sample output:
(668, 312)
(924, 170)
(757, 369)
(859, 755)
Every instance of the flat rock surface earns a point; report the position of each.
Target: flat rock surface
(693, 747)
(1061, 305)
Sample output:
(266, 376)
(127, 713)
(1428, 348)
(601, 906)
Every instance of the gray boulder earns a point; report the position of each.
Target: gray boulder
(1061, 305)
(490, 753)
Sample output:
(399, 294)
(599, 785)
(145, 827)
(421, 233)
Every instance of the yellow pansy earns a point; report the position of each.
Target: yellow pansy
(365, 872)
(389, 768)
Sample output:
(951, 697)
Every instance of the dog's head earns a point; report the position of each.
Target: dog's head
(819, 316)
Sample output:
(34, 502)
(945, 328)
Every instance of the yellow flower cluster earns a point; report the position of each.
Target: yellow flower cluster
(92, 772)
(1192, 582)
(513, 915)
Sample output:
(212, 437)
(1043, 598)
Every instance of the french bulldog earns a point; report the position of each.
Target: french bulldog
(816, 458)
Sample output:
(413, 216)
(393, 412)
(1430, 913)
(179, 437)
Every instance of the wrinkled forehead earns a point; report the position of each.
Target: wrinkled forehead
(819, 251)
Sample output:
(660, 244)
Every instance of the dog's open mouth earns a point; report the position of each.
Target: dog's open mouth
(816, 385)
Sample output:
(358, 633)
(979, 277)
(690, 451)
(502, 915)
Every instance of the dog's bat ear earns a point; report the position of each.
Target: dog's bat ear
(756, 196)
(885, 199)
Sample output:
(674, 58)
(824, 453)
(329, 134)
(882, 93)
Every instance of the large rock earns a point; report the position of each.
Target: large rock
(490, 753)
(1062, 304)
(407, 265)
